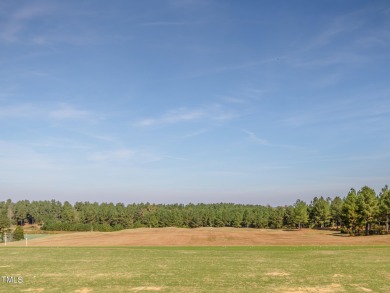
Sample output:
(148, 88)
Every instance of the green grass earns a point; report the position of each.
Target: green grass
(197, 269)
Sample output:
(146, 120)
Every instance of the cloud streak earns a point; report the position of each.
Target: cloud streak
(181, 115)
(123, 155)
(117, 155)
(67, 112)
(33, 111)
(19, 111)
(263, 142)
(16, 22)
(254, 138)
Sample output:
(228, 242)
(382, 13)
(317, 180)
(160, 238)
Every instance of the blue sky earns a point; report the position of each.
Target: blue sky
(193, 101)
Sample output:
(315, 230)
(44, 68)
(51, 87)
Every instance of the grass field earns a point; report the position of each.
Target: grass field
(197, 269)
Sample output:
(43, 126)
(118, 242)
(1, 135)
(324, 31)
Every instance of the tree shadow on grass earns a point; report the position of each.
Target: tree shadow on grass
(338, 234)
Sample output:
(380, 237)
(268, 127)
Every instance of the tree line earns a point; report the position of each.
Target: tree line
(358, 212)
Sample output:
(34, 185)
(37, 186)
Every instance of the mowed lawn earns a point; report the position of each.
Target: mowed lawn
(197, 269)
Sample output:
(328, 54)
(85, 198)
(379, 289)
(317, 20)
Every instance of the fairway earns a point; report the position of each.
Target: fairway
(197, 269)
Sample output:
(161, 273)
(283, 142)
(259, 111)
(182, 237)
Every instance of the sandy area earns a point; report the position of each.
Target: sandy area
(204, 237)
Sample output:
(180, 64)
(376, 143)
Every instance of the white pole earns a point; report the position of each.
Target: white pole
(5, 238)
(26, 240)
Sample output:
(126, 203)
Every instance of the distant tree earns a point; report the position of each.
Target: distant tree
(336, 210)
(384, 205)
(149, 216)
(121, 216)
(4, 223)
(10, 209)
(21, 211)
(320, 212)
(350, 211)
(195, 218)
(246, 218)
(288, 219)
(68, 213)
(236, 218)
(367, 207)
(276, 217)
(301, 216)
(261, 217)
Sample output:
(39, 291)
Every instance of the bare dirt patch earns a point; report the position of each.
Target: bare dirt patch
(320, 289)
(361, 288)
(33, 290)
(146, 289)
(205, 237)
(84, 290)
(277, 274)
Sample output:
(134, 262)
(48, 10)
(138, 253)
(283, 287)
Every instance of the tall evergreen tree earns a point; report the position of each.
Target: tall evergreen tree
(367, 206)
(350, 210)
(384, 206)
(320, 212)
(301, 216)
(336, 207)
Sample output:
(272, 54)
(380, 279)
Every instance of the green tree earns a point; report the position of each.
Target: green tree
(236, 218)
(261, 217)
(248, 217)
(20, 211)
(276, 217)
(18, 233)
(4, 224)
(336, 207)
(68, 213)
(320, 211)
(288, 219)
(367, 206)
(301, 216)
(384, 205)
(350, 210)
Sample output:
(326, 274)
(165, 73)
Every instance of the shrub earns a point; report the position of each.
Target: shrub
(18, 234)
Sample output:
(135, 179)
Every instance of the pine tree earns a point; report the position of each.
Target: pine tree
(350, 210)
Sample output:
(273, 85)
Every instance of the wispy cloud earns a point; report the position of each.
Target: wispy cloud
(360, 107)
(343, 41)
(331, 59)
(341, 25)
(180, 115)
(264, 142)
(124, 155)
(68, 112)
(195, 133)
(212, 112)
(233, 100)
(60, 112)
(21, 157)
(173, 116)
(117, 155)
(16, 22)
(16, 25)
(227, 68)
(254, 138)
(19, 111)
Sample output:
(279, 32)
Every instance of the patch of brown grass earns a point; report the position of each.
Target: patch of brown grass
(205, 237)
